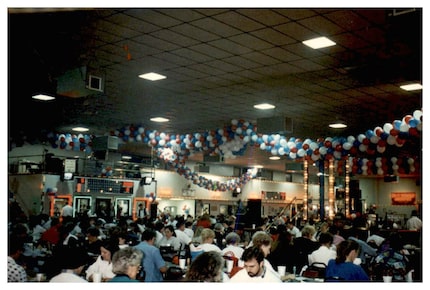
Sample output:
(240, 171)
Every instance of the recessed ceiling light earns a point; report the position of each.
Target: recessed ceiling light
(274, 157)
(264, 106)
(319, 42)
(80, 129)
(43, 97)
(412, 87)
(152, 76)
(338, 125)
(159, 119)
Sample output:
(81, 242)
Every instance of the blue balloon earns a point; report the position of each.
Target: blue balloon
(396, 124)
(413, 123)
(369, 133)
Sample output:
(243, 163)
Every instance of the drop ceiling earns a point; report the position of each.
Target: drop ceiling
(219, 63)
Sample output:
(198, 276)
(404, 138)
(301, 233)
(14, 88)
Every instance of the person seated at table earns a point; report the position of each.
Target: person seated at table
(170, 245)
(343, 268)
(72, 262)
(391, 257)
(303, 246)
(325, 252)
(254, 268)
(153, 264)
(126, 265)
(92, 243)
(103, 264)
(15, 271)
(207, 244)
(232, 241)
(207, 267)
(282, 255)
(263, 240)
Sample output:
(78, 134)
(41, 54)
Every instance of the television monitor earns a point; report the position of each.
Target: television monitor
(67, 176)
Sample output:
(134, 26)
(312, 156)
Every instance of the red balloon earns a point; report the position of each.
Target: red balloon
(408, 118)
(366, 141)
(394, 132)
(338, 147)
(305, 146)
(327, 144)
(382, 143)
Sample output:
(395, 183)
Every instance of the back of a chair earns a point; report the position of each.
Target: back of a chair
(315, 270)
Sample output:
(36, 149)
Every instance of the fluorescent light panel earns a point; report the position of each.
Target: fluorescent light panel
(43, 97)
(338, 125)
(152, 76)
(274, 157)
(264, 106)
(80, 129)
(319, 42)
(159, 119)
(412, 87)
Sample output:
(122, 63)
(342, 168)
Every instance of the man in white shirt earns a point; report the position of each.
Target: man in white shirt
(293, 230)
(414, 223)
(254, 270)
(325, 251)
(67, 211)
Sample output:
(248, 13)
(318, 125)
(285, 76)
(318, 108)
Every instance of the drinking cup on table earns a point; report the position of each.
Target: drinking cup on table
(229, 265)
(281, 270)
(97, 277)
(40, 277)
(387, 279)
(182, 263)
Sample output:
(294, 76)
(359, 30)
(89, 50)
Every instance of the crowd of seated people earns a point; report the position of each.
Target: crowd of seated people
(39, 245)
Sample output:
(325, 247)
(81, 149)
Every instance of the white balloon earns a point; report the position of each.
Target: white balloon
(394, 160)
(265, 137)
(263, 146)
(417, 114)
(362, 147)
(254, 138)
(301, 152)
(293, 155)
(380, 149)
(374, 139)
(361, 137)
(404, 127)
(281, 151)
(412, 168)
(347, 146)
(313, 145)
(391, 140)
(395, 167)
(234, 122)
(274, 151)
(351, 139)
(378, 163)
(162, 142)
(323, 150)
(410, 161)
(388, 127)
(337, 155)
(380, 171)
(315, 157)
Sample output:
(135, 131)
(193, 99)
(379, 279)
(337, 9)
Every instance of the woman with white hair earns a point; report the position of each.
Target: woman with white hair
(126, 264)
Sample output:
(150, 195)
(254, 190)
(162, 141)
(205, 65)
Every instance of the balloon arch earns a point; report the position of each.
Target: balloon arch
(366, 153)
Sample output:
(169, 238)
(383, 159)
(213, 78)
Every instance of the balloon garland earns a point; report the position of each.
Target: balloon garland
(365, 153)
